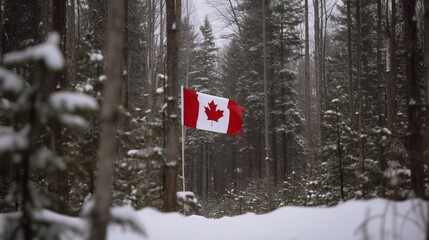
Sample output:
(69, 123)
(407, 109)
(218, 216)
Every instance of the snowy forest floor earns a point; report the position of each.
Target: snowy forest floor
(366, 220)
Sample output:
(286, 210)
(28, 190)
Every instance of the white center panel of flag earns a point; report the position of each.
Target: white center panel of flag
(221, 104)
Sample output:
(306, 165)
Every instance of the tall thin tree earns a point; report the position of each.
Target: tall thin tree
(109, 118)
(349, 61)
(414, 111)
(359, 82)
(59, 82)
(382, 160)
(170, 167)
(307, 86)
(266, 111)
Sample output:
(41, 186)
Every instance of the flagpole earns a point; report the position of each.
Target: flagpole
(183, 156)
(183, 144)
(183, 149)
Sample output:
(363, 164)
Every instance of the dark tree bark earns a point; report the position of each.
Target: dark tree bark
(316, 130)
(71, 43)
(426, 57)
(349, 63)
(382, 159)
(59, 21)
(124, 94)
(392, 74)
(266, 114)
(414, 112)
(109, 118)
(340, 153)
(170, 168)
(307, 86)
(1, 29)
(359, 82)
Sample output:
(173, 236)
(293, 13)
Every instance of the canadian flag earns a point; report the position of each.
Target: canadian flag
(211, 113)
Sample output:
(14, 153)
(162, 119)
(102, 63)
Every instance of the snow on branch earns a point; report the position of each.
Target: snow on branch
(48, 51)
(11, 140)
(71, 101)
(10, 82)
(68, 103)
(186, 196)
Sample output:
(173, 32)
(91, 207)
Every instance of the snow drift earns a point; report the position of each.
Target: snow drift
(366, 220)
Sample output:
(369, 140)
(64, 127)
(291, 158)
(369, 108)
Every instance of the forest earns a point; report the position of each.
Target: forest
(335, 94)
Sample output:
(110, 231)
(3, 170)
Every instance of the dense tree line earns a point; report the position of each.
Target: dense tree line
(347, 101)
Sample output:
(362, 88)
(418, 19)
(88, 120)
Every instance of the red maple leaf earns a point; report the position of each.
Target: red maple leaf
(213, 113)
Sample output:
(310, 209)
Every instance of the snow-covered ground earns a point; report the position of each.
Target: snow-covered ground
(366, 220)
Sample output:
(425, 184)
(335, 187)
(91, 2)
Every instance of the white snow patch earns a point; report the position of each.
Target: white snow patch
(10, 82)
(71, 101)
(145, 152)
(160, 90)
(127, 216)
(387, 131)
(186, 196)
(73, 120)
(350, 220)
(171, 164)
(96, 57)
(48, 51)
(88, 87)
(374, 219)
(72, 223)
(11, 140)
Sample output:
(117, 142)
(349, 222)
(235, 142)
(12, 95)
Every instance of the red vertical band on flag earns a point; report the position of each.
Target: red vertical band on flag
(235, 122)
(190, 108)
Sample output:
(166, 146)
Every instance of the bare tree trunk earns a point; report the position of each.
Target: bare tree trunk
(307, 86)
(340, 153)
(204, 170)
(391, 66)
(109, 118)
(317, 80)
(151, 63)
(324, 40)
(124, 92)
(426, 57)
(27, 200)
(382, 159)
(266, 114)
(426, 64)
(235, 17)
(321, 61)
(359, 82)
(392, 84)
(71, 42)
(59, 19)
(1, 28)
(349, 63)
(170, 168)
(414, 111)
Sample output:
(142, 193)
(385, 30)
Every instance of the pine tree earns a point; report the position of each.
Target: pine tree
(205, 78)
